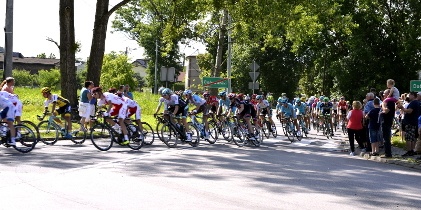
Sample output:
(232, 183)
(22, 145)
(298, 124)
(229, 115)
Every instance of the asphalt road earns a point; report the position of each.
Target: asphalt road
(312, 174)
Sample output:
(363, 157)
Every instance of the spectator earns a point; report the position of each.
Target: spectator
(394, 92)
(367, 108)
(387, 113)
(8, 85)
(355, 126)
(411, 123)
(127, 92)
(374, 127)
(84, 104)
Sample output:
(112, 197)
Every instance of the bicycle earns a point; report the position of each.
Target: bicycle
(25, 138)
(326, 127)
(290, 130)
(302, 125)
(148, 133)
(49, 131)
(222, 128)
(202, 131)
(344, 126)
(103, 135)
(241, 132)
(267, 128)
(171, 132)
(334, 121)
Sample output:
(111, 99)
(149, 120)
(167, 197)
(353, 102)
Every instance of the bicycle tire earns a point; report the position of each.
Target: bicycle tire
(265, 129)
(226, 131)
(169, 136)
(79, 136)
(148, 134)
(32, 126)
(48, 132)
(25, 139)
(195, 135)
(135, 143)
(257, 141)
(239, 137)
(213, 132)
(157, 129)
(102, 137)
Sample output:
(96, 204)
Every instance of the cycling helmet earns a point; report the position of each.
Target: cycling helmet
(259, 97)
(45, 90)
(206, 94)
(160, 90)
(321, 98)
(283, 101)
(334, 100)
(186, 92)
(298, 100)
(254, 96)
(166, 91)
(303, 99)
(326, 99)
(223, 93)
(231, 95)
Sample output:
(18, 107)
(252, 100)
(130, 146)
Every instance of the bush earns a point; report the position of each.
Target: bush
(81, 77)
(49, 78)
(24, 78)
(178, 86)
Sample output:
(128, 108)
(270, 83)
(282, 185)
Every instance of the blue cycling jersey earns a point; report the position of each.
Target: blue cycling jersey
(301, 108)
(288, 111)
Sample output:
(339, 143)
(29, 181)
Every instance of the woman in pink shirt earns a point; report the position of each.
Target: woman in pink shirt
(355, 126)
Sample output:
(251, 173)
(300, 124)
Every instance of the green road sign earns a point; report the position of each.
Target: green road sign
(215, 82)
(415, 85)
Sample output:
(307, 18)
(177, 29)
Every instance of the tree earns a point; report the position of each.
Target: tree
(68, 48)
(96, 55)
(42, 55)
(116, 71)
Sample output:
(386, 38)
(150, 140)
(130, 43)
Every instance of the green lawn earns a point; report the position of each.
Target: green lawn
(33, 104)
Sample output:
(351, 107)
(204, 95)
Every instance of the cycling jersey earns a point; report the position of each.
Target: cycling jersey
(325, 108)
(342, 105)
(132, 108)
(288, 110)
(174, 100)
(8, 109)
(300, 109)
(15, 101)
(196, 100)
(60, 101)
(335, 105)
(264, 104)
(212, 100)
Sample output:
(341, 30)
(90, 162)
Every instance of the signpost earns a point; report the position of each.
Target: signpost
(215, 82)
(254, 67)
(415, 85)
(167, 75)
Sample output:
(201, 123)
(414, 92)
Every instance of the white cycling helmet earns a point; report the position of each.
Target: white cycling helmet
(187, 92)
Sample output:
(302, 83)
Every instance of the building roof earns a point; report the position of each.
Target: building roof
(142, 62)
(31, 60)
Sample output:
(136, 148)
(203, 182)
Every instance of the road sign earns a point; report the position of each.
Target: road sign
(215, 82)
(254, 66)
(254, 75)
(415, 85)
(167, 74)
(256, 85)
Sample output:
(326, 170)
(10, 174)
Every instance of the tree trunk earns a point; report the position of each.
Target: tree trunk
(68, 48)
(96, 56)
(220, 50)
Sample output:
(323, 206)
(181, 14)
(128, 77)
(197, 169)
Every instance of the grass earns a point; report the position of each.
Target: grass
(33, 104)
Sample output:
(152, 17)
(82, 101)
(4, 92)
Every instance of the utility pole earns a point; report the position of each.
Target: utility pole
(156, 66)
(229, 54)
(8, 32)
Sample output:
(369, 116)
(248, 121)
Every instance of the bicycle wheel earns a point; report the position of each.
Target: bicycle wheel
(25, 139)
(239, 137)
(48, 132)
(226, 131)
(258, 137)
(274, 131)
(79, 136)
(32, 126)
(135, 140)
(101, 137)
(169, 135)
(195, 135)
(344, 129)
(213, 132)
(148, 134)
(265, 130)
(289, 133)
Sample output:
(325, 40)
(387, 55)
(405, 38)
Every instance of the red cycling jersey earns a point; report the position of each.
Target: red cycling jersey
(212, 100)
(342, 105)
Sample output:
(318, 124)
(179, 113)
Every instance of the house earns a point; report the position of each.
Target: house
(31, 64)
(140, 65)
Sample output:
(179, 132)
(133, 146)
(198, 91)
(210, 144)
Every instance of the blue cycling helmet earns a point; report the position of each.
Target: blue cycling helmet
(223, 93)
(258, 97)
(282, 101)
(187, 92)
(160, 90)
(166, 91)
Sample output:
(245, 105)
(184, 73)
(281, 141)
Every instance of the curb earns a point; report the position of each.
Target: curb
(396, 159)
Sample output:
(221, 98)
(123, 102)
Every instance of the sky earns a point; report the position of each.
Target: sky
(34, 21)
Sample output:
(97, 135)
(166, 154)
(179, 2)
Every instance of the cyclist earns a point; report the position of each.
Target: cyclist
(61, 106)
(8, 85)
(335, 106)
(116, 107)
(15, 101)
(8, 113)
(342, 110)
(253, 99)
(286, 110)
(300, 109)
(270, 99)
(175, 105)
(325, 110)
(243, 111)
(211, 103)
(263, 109)
(161, 99)
(200, 105)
